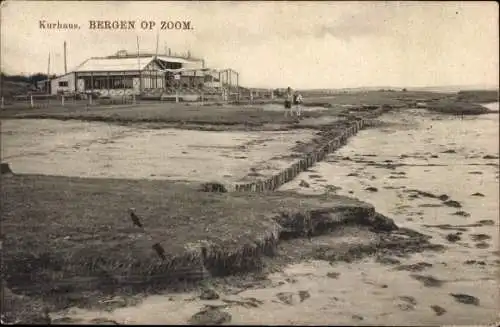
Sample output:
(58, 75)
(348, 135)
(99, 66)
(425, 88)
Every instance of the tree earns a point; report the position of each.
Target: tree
(29, 79)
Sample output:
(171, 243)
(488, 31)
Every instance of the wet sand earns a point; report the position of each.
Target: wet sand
(387, 167)
(93, 149)
(420, 169)
(279, 107)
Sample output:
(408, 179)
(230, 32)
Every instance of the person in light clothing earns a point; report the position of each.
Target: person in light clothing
(297, 103)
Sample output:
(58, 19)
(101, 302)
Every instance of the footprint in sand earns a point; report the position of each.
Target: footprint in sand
(486, 222)
(357, 317)
(465, 298)
(482, 245)
(407, 303)
(416, 267)
(479, 237)
(210, 316)
(387, 260)
(290, 297)
(438, 310)
(333, 275)
(304, 295)
(452, 203)
(428, 281)
(453, 237)
(475, 262)
(461, 213)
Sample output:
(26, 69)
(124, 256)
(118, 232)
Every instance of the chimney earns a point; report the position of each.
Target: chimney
(169, 51)
(65, 65)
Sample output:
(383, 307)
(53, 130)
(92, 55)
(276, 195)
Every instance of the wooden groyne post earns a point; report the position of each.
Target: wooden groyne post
(288, 174)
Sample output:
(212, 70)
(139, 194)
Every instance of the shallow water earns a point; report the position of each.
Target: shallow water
(422, 147)
(492, 105)
(280, 107)
(367, 292)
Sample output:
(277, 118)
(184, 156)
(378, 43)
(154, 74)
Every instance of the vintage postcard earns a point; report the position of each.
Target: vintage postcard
(250, 162)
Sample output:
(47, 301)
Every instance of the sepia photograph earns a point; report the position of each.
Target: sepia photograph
(250, 162)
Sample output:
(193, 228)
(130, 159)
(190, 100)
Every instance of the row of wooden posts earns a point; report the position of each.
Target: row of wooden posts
(134, 100)
(288, 174)
(63, 101)
(90, 100)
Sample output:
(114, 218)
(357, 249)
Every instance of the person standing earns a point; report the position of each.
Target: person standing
(288, 101)
(297, 103)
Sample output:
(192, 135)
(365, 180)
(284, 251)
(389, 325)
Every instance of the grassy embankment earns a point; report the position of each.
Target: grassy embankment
(67, 239)
(196, 116)
(241, 116)
(466, 103)
(218, 114)
(463, 102)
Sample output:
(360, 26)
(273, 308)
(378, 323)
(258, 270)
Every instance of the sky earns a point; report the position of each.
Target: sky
(274, 44)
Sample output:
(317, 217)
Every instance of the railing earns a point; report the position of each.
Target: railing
(101, 97)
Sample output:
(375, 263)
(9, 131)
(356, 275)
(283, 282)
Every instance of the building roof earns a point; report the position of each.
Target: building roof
(123, 64)
(177, 59)
(113, 64)
(206, 70)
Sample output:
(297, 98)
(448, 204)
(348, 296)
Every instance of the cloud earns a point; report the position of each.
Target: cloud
(375, 20)
(307, 44)
(346, 32)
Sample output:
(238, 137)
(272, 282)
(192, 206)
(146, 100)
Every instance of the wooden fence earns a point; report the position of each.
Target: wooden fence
(288, 174)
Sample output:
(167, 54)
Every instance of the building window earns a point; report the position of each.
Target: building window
(120, 82)
(211, 78)
(99, 83)
(128, 83)
(108, 82)
(63, 84)
(116, 82)
(173, 65)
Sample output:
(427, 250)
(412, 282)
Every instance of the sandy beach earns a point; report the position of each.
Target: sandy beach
(101, 150)
(435, 174)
